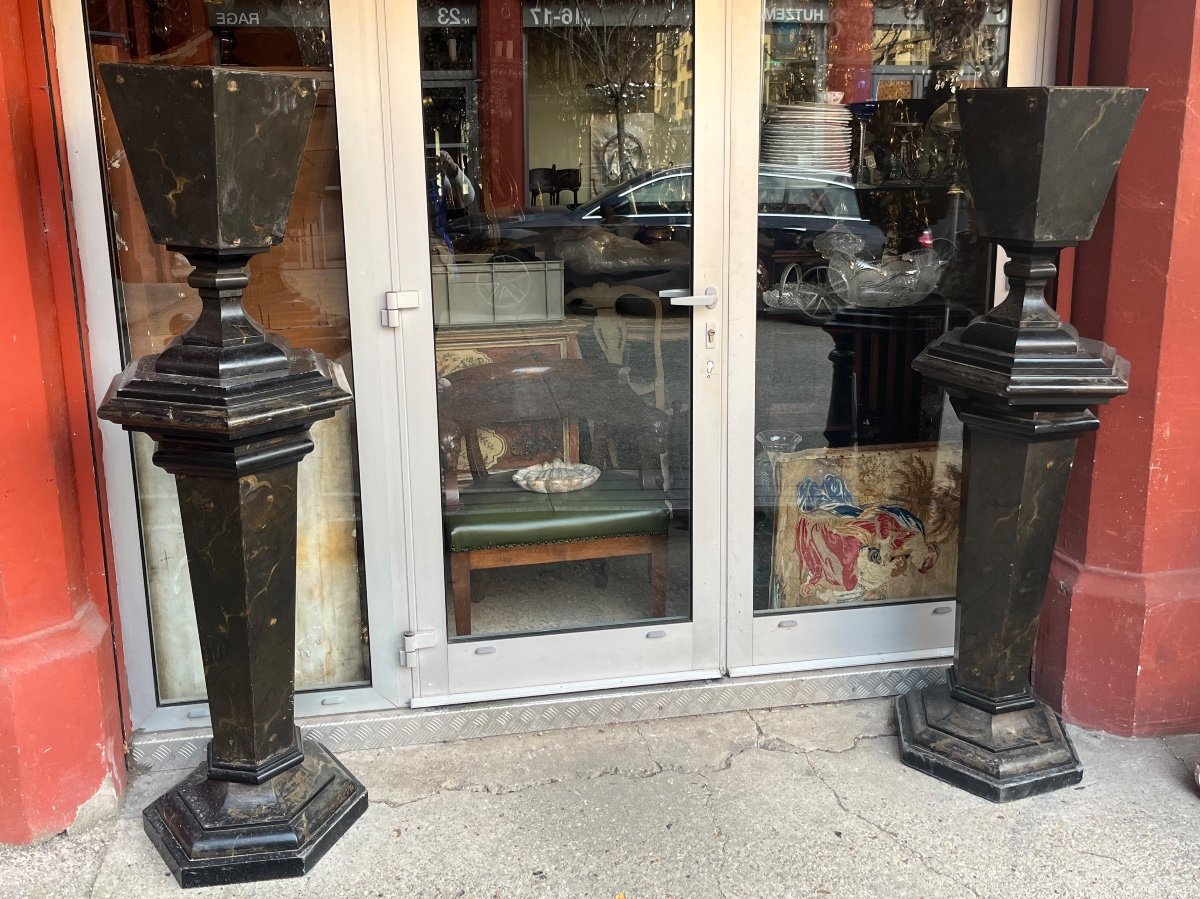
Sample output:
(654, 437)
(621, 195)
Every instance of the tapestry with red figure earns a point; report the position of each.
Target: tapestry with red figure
(866, 524)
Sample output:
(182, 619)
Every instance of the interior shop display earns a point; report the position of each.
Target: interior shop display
(766, 501)
(807, 136)
(909, 141)
(214, 154)
(863, 170)
(1040, 162)
(896, 281)
(870, 89)
(954, 27)
(766, 488)
(505, 446)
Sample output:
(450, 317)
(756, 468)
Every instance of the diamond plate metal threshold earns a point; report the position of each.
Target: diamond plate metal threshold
(402, 727)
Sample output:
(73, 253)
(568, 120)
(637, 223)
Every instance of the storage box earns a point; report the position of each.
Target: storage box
(471, 293)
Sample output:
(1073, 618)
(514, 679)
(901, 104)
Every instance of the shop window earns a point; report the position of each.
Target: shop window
(804, 194)
(867, 252)
(298, 290)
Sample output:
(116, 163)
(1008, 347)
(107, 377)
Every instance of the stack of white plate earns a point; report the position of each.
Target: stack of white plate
(807, 136)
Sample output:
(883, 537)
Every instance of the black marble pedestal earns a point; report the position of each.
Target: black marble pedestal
(1022, 382)
(264, 804)
(213, 832)
(214, 153)
(984, 731)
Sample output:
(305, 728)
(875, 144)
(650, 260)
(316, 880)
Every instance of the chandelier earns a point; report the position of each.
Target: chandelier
(914, 8)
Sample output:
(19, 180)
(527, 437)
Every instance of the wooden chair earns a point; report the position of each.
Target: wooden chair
(490, 522)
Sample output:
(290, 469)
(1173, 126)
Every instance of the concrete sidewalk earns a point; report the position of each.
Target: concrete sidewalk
(809, 801)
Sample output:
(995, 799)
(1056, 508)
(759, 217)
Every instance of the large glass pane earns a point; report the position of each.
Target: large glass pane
(558, 144)
(297, 289)
(867, 251)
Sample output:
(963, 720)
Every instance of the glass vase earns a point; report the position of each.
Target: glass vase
(779, 441)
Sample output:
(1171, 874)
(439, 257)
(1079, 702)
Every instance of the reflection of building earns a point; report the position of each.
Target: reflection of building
(803, 38)
(573, 70)
(89, 659)
(570, 68)
(677, 70)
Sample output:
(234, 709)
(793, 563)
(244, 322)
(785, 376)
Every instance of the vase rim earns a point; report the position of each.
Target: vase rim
(778, 434)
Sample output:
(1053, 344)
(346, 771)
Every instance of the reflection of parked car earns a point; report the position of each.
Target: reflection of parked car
(640, 231)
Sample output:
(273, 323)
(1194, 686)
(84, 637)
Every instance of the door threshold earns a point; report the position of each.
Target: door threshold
(589, 687)
(170, 750)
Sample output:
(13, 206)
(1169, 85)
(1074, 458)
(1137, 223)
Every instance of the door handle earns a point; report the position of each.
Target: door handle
(708, 299)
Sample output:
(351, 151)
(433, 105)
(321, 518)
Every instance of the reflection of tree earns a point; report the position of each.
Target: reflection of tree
(619, 44)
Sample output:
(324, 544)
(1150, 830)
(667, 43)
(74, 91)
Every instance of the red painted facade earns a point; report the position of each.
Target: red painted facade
(60, 719)
(1120, 638)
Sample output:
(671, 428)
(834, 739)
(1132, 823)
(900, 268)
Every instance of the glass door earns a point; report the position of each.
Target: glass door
(665, 271)
(560, 331)
(861, 250)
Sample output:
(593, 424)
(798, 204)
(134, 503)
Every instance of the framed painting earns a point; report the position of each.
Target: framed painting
(862, 525)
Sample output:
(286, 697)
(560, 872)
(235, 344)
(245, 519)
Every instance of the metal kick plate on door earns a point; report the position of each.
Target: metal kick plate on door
(171, 750)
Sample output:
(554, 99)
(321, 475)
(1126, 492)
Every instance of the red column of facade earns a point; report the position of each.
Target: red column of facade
(1119, 647)
(851, 32)
(501, 54)
(60, 724)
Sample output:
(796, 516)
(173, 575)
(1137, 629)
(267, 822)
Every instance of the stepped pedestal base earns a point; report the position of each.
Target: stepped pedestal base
(1001, 757)
(213, 832)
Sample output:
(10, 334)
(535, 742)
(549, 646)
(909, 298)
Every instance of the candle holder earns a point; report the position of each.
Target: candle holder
(214, 154)
(1041, 161)
(862, 172)
(908, 167)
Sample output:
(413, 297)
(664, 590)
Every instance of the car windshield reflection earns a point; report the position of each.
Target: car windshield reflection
(639, 233)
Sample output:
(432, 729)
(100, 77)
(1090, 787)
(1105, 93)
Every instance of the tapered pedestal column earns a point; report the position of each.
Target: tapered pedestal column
(983, 730)
(1021, 381)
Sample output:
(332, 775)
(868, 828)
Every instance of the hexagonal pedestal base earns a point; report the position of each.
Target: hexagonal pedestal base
(212, 832)
(999, 757)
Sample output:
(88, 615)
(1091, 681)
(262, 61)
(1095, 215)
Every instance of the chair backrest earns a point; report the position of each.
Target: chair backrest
(567, 179)
(595, 396)
(541, 180)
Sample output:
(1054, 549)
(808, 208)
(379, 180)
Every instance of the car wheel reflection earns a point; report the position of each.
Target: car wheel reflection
(821, 301)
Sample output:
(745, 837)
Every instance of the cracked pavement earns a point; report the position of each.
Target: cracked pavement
(805, 801)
